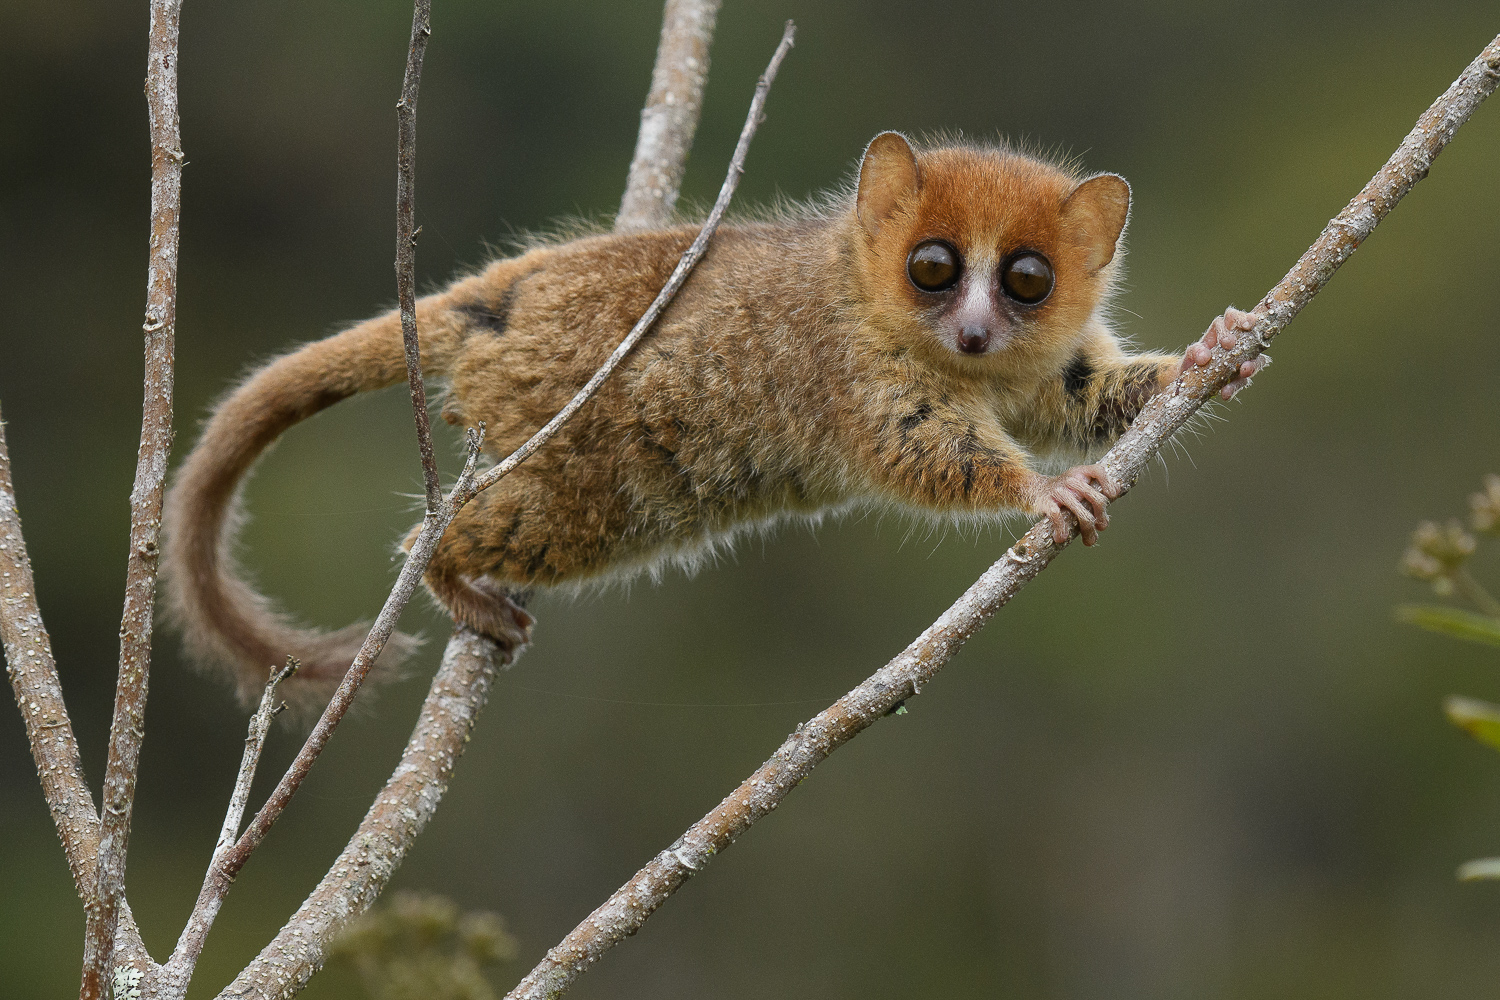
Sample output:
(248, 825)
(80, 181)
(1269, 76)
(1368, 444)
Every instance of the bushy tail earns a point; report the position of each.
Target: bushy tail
(225, 622)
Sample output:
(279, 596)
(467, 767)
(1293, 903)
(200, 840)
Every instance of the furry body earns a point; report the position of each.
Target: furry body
(797, 371)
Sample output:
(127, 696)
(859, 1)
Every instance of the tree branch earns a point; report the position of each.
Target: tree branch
(33, 677)
(179, 968)
(670, 116)
(406, 245)
(126, 730)
(38, 690)
(395, 818)
(904, 677)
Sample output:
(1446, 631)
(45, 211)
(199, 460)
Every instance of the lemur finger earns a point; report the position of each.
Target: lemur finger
(1239, 318)
(1059, 526)
(1100, 475)
(1095, 499)
(1086, 525)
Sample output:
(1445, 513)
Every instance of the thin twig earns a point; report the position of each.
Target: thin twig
(126, 730)
(905, 676)
(390, 826)
(179, 968)
(680, 275)
(255, 742)
(406, 244)
(670, 116)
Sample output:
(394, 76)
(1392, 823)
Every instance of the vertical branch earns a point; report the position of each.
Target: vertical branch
(395, 818)
(670, 116)
(126, 730)
(406, 243)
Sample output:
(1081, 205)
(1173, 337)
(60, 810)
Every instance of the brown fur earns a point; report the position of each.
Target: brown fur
(798, 370)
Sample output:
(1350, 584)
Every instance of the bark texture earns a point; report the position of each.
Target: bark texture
(406, 244)
(128, 727)
(670, 117)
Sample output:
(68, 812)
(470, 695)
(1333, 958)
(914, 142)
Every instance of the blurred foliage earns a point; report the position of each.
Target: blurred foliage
(419, 946)
(1438, 556)
(1182, 764)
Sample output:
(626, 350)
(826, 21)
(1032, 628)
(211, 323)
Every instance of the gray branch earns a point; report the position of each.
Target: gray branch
(54, 749)
(136, 625)
(670, 117)
(34, 680)
(178, 969)
(406, 245)
(904, 677)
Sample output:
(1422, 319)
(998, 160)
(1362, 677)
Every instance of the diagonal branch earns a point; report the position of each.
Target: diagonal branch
(680, 275)
(38, 690)
(670, 116)
(406, 244)
(179, 968)
(904, 677)
(395, 818)
(126, 731)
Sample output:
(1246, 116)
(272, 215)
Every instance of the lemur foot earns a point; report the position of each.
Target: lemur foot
(1076, 491)
(1225, 332)
(486, 607)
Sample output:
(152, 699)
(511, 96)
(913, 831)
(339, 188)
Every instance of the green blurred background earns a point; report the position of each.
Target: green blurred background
(1199, 761)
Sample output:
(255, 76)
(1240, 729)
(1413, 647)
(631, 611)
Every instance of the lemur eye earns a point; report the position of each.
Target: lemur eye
(933, 266)
(1027, 277)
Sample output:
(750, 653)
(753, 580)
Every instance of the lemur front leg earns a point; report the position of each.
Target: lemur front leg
(1101, 392)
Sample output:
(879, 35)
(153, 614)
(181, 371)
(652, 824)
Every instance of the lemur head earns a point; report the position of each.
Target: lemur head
(984, 258)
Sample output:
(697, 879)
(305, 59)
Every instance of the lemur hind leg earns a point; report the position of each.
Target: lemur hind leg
(484, 605)
(460, 578)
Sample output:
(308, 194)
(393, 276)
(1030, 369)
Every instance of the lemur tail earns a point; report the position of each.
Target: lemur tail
(224, 621)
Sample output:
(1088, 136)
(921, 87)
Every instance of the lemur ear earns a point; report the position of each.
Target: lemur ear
(887, 174)
(1099, 207)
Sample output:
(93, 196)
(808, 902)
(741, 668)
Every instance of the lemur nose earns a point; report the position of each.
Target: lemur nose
(973, 339)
